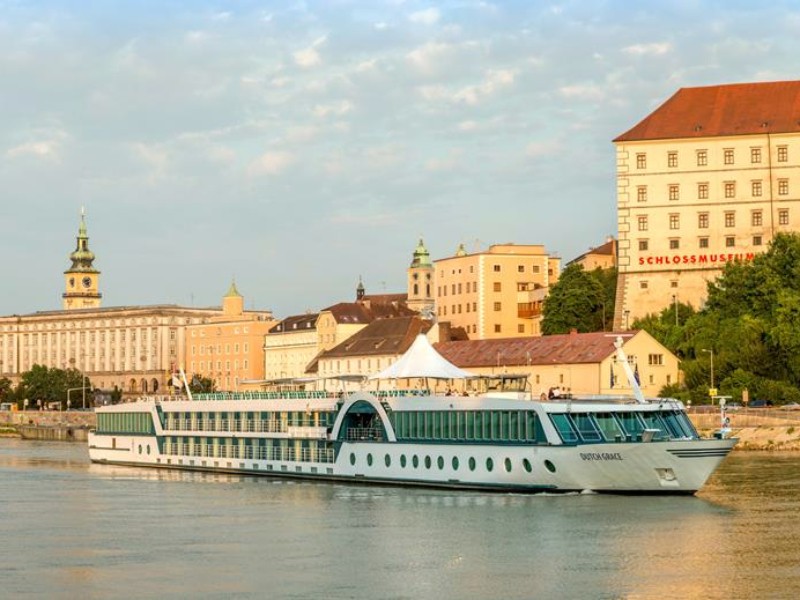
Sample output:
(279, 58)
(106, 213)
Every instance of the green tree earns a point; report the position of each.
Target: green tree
(202, 385)
(49, 385)
(580, 299)
(6, 389)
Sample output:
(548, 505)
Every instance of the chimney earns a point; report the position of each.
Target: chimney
(573, 331)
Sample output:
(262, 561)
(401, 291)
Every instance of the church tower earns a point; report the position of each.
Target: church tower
(420, 281)
(81, 279)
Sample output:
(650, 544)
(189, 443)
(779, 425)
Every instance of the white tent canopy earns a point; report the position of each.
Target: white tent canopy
(421, 360)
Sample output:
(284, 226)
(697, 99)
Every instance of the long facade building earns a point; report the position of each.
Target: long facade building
(709, 177)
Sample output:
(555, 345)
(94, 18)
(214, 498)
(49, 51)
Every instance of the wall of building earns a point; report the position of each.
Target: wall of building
(688, 206)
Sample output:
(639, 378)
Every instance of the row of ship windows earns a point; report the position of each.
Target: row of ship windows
(728, 157)
(728, 187)
(704, 219)
(455, 463)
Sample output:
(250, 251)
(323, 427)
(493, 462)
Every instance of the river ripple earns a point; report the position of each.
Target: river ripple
(72, 529)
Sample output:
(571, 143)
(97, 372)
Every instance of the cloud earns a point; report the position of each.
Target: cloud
(335, 109)
(310, 57)
(445, 163)
(41, 149)
(494, 81)
(429, 16)
(270, 163)
(582, 92)
(653, 49)
(428, 57)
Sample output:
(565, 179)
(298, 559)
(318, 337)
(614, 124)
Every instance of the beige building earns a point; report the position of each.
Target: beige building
(132, 348)
(601, 257)
(229, 348)
(497, 293)
(709, 177)
(290, 346)
(582, 363)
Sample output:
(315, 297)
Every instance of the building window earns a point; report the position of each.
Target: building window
(672, 159)
(757, 188)
(673, 284)
(641, 193)
(674, 244)
(730, 241)
(703, 242)
(755, 155)
(674, 221)
(497, 307)
(730, 189)
(643, 285)
(783, 154)
(674, 192)
(496, 268)
(520, 268)
(783, 216)
(521, 328)
(756, 240)
(643, 245)
(702, 158)
(783, 187)
(702, 220)
(497, 328)
(702, 191)
(756, 218)
(655, 359)
(497, 286)
(642, 219)
(728, 156)
(730, 218)
(641, 161)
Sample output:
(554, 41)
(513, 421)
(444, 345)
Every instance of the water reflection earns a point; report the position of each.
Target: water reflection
(102, 531)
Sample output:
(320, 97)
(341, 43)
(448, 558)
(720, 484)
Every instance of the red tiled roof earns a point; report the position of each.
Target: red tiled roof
(570, 348)
(381, 337)
(719, 110)
(357, 312)
(606, 249)
(296, 323)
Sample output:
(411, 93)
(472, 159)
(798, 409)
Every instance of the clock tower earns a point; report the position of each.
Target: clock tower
(81, 279)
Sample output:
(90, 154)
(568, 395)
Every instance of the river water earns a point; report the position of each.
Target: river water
(70, 529)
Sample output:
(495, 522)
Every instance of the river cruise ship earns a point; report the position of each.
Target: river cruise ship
(498, 439)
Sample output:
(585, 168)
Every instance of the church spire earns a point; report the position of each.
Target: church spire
(81, 279)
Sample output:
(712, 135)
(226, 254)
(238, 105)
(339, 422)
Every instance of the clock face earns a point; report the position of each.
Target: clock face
(87, 281)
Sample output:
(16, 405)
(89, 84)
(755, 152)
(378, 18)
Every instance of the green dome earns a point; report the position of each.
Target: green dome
(422, 257)
(82, 258)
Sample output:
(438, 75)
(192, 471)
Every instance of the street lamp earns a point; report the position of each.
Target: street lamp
(711, 354)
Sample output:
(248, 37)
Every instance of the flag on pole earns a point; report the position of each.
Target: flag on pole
(636, 374)
(612, 375)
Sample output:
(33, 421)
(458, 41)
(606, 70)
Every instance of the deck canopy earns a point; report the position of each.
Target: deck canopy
(421, 360)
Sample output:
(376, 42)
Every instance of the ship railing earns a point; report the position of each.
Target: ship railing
(320, 455)
(372, 434)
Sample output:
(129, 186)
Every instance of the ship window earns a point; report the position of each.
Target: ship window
(609, 427)
(455, 463)
(550, 466)
(527, 464)
(586, 427)
(631, 423)
(403, 460)
(508, 465)
(427, 462)
(471, 463)
(564, 427)
(352, 458)
(415, 461)
(388, 460)
(440, 463)
(653, 421)
(489, 464)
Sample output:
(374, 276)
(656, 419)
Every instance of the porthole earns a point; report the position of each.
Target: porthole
(527, 464)
(508, 465)
(427, 462)
(489, 464)
(415, 461)
(352, 458)
(403, 460)
(148, 448)
(455, 463)
(140, 448)
(369, 459)
(440, 463)
(388, 460)
(471, 463)
(549, 466)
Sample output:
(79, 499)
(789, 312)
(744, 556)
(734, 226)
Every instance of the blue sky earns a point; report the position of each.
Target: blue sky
(300, 145)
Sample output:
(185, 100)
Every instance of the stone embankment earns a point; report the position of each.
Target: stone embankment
(757, 429)
(71, 426)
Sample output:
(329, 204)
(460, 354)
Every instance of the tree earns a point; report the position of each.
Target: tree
(202, 385)
(49, 385)
(6, 389)
(580, 299)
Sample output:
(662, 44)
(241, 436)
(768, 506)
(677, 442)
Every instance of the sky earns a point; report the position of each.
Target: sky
(298, 146)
